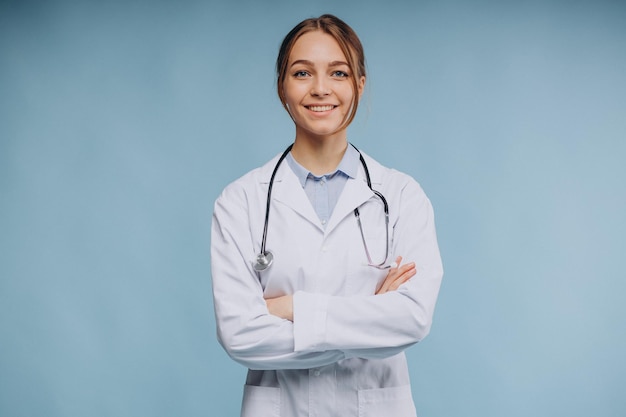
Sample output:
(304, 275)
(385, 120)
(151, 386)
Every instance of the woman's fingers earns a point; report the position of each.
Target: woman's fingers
(404, 277)
(390, 277)
(397, 276)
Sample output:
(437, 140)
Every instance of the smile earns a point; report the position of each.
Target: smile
(321, 108)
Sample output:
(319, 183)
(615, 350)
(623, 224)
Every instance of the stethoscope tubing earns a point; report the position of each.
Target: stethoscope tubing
(265, 258)
(269, 198)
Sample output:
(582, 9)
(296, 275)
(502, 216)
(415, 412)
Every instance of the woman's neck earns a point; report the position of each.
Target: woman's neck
(320, 155)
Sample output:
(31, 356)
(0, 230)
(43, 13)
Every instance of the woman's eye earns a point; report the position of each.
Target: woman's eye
(340, 74)
(300, 74)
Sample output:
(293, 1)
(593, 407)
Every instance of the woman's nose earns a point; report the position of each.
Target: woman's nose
(320, 87)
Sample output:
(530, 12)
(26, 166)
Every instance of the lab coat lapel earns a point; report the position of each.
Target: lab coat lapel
(355, 193)
(288, 190)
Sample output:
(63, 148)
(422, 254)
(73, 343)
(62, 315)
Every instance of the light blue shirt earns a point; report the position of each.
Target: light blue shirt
(324, 191)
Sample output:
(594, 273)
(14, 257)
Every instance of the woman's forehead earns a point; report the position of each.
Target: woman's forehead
(317, 46)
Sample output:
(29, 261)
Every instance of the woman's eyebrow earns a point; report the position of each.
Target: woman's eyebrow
(310, 64)
(301, 61)
(337, 64)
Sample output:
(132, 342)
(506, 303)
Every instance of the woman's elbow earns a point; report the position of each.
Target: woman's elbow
(420, 323)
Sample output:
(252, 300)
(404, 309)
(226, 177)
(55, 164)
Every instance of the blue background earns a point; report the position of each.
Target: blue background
(121, 121)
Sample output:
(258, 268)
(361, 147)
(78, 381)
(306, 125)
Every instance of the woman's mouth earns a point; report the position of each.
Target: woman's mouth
(321, 108)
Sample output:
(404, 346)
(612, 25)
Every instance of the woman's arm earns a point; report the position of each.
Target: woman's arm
(382, 324)
(246, 329)
(283, 306)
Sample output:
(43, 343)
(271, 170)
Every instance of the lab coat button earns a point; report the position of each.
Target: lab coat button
(324, 221)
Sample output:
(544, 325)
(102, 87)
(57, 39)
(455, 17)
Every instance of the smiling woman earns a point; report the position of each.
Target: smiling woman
(318, 92)
(351, 54)
(323, 325)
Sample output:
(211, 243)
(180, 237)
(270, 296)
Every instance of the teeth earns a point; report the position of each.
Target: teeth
(320, 108)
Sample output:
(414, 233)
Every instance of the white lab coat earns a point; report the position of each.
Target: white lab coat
(343, 353)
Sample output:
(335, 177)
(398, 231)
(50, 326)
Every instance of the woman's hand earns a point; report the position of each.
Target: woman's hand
(397, 276)
(281, 306)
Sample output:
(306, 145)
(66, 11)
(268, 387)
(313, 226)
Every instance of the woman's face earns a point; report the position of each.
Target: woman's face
(318, 86)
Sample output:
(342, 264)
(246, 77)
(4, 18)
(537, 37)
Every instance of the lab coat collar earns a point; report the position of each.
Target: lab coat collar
(356, 191)
(288, 190)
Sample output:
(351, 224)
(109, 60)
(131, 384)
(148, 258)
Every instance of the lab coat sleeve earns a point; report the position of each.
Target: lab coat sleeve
(376, 326)
(246, 330)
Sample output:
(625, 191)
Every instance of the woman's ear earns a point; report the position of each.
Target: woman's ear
(361, 85)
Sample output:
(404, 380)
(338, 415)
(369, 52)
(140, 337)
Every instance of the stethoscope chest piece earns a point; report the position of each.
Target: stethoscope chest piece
(263, 261)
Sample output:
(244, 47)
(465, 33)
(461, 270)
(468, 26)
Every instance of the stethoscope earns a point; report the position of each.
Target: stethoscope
(265, 258)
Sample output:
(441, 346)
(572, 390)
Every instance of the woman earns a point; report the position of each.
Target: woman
(305, 293)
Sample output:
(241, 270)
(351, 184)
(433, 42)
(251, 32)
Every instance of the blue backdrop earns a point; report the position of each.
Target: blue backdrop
(120, 122)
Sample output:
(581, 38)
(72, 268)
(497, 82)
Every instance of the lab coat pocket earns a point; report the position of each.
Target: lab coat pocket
(382, 402)
(260, 401)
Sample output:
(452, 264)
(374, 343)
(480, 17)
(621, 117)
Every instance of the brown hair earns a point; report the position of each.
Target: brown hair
(348, 41)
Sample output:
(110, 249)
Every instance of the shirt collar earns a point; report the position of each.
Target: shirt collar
(349, 165)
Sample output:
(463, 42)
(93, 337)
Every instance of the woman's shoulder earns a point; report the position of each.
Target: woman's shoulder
(250, 181)
(388, 176)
